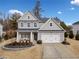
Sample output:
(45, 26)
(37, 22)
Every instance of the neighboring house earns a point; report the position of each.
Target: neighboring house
(1, 30)
(31, 28)
(75, 28)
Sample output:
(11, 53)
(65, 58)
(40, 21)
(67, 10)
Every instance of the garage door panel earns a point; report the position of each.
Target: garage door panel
(50, 38)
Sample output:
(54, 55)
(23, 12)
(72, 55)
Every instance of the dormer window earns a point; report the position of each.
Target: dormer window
(50, 24)
(35, 24)
(28, 17)
(28, 24)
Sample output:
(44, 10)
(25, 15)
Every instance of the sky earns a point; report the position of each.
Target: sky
(65, 10)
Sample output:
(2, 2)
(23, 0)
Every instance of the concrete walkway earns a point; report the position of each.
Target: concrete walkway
(59, 51)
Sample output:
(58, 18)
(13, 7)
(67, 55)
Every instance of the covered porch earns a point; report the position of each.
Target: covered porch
(32, 36)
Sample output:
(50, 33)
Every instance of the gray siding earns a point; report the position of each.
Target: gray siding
(47, 26)
(31, 25)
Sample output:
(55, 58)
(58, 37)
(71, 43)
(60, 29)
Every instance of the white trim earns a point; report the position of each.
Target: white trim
(58, 24)
(44, 24)
(17, 37)
(31, 37)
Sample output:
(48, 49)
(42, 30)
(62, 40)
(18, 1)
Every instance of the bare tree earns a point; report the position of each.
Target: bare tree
(37, 9)
(13, 20)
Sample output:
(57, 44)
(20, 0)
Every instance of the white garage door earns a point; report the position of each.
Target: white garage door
(50, 38)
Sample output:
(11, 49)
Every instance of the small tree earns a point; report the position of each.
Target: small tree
(71, 35)
(13, 20)
(65, 35)
(77, 36)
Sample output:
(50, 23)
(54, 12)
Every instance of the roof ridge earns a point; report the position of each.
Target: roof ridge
(27, 13)
(57, 24)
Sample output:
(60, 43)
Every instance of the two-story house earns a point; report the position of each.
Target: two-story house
(31, 28)
(75, 27)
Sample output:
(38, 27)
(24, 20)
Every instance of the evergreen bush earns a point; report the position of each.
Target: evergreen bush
(65, 34)
(39, 42)
(77, 36)
(71, 35)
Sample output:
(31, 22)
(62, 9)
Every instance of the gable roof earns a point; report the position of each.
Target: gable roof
(58, 24)
(33, 15)
(57, 19)
(26, 13)
(51, 19)
(44, 19)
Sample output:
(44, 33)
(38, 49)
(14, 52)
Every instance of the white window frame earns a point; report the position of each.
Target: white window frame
(50, 24)
(28, 17)
(35, 24)
(22, 24)
(28, 24)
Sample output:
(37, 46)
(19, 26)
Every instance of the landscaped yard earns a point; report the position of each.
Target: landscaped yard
(34, 52)
(50, 51)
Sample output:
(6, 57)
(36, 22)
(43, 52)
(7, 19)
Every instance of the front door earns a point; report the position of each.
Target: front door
(35, 36)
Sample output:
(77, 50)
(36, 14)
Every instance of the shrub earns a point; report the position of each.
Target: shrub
(6, 37)
(71, 35)
(65, 34)
(39, 42)
(77, 36)
(65, 42)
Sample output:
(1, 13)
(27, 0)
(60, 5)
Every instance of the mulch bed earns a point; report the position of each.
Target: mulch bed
(18, 45)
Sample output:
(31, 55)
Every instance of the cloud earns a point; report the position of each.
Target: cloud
(75, 2)
(59, 12)
(12, 11)
(72, 8)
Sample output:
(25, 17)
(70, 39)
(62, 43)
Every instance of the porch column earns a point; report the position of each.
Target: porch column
(17, 37)
(31, 37)
(39, 36)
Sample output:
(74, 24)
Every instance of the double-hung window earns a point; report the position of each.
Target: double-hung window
(28, 17)
(28, 24)
(35, 24)
(21, 24)
(50, 24)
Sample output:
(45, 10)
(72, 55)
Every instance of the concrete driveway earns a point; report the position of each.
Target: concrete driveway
(59, 51)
